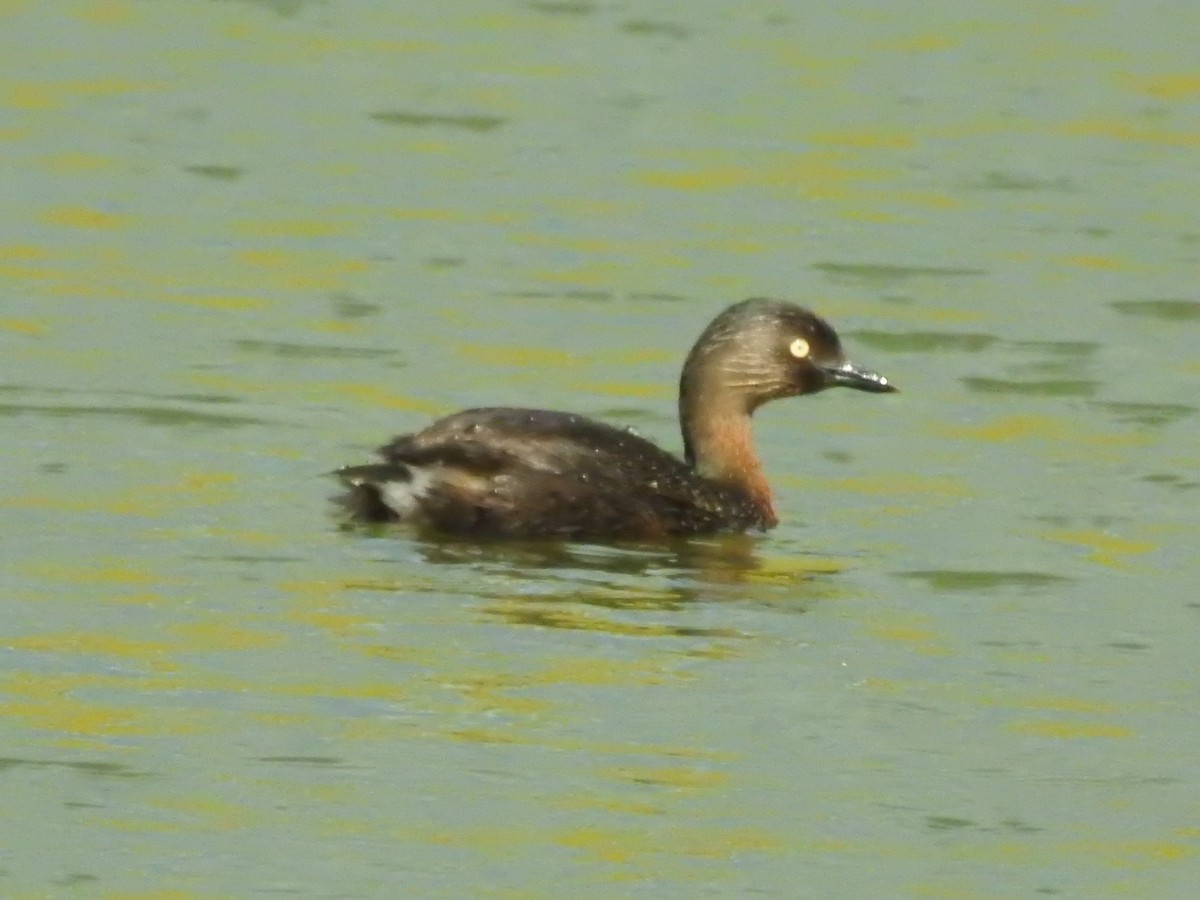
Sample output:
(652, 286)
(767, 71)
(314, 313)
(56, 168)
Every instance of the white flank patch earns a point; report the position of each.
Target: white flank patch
(404, 497)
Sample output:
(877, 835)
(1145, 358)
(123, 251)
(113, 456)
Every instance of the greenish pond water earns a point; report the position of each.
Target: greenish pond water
(244, 242)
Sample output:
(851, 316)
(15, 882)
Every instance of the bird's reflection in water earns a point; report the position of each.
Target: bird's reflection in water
(566, 585)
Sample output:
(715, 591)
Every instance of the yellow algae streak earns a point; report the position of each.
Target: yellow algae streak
(712, 178)
(373, 395)
(597, 275)
(1107, 550)
(306, 270)
(400, 653)
(220, 302)
(677, 777)
(1123, 131)
(413, 214)
(483, 736)
(131, 503)
(47, 95)
(98, 644)
(1168, 87)
(83, 217)
(337, 326)
(781, 569)
(77, 163)
(581, 245)
(623, 846)
(303, 228)
(1069, 731)
(903, 634)
(911, 630)
(635, 356)
(270, 259)
(544, 616)
(213, 635)
(221, 635)
(1063, 704)
(921, 640)
(591, 672)
(494, 355)
(497, 841)
(45, 702)
(1011, 428)
(106, 12)
(864, 139)
(342, 391)
(929, 42)
(1113, 854)
(75, 718)
(487, 693)
(195, 489)
(214, 814)
(342, 625)
(365, 690)
(925, 199)
(23, 252)
(26, 327)
(817, 175)
(116, 573)
(1103, 263)
(591, 803)
(13, 8)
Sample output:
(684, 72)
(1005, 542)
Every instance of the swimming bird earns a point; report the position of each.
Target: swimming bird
(519, 473)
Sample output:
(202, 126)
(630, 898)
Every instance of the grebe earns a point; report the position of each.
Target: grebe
(513, 473)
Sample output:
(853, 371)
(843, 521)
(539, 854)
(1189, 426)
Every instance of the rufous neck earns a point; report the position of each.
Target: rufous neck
(719, 445)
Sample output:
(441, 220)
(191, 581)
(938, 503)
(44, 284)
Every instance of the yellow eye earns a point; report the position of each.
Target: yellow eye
(799, 348)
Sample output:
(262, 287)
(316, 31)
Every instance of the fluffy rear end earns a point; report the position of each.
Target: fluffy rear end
(386, 492)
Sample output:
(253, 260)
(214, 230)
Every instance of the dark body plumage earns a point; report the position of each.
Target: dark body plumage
(531, 472)
(509, 473)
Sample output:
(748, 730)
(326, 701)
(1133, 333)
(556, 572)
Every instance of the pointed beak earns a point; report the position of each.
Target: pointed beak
(849, 375)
